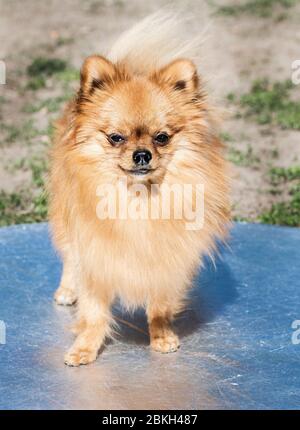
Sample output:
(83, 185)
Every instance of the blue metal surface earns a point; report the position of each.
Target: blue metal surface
(236, 336)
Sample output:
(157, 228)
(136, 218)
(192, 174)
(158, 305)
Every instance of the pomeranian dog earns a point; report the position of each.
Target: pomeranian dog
(142, 114)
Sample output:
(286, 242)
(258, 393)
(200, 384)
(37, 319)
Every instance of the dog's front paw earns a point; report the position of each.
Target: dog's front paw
(165, 344)
(65, 296)
(78, 356)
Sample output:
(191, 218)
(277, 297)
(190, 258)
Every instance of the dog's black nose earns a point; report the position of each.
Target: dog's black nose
(142, 157)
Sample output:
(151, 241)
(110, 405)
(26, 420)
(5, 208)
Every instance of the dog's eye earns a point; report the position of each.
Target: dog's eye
(161, 139)
(116, 139)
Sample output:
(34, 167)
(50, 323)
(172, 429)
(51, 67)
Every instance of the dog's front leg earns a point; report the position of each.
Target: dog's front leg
(93, 326)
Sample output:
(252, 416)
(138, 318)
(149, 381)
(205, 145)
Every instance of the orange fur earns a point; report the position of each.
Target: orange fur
(147, 263)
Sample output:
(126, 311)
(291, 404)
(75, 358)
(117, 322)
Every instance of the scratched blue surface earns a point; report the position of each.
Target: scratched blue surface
(237, 350)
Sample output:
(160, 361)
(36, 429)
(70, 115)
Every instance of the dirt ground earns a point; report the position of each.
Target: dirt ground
(243, 44)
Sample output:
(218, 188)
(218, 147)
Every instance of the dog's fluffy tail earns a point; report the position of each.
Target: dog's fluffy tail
(153, 42)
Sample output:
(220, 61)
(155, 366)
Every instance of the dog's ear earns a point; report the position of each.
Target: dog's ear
(95, 73)
(179, 75)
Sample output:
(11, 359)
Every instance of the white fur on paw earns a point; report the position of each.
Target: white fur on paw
(65, 296)
(77, 356)
(165, 344)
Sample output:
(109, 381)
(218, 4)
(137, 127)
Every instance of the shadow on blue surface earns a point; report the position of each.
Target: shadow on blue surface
(214, 288)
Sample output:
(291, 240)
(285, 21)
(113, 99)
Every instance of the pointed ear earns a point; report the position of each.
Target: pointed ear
(95, 72)
(180, 75)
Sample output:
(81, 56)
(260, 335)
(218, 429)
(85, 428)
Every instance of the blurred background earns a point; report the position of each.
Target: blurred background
(246, 59)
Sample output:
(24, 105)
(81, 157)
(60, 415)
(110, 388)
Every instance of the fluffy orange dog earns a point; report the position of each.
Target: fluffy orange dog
(141, 113)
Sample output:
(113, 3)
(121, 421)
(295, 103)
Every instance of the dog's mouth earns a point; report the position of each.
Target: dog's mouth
(139, 171)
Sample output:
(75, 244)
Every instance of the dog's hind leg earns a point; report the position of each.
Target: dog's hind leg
(162, 337)
(66, 293)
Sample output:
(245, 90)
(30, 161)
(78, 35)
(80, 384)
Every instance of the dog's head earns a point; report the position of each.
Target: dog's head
(135, 124)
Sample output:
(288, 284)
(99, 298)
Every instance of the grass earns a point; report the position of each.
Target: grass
(64, 41)
(240, 158)
(51, 104)
(37, 165)
(43, 68)
(226, 137)
(270, 103)
(22, 207)
(285, 213)
(231, 97)
(274, 153)
(261, 8)
(68, 75)
(46, 66)
(25, 132)
(281, 174)
(243, 158)
(98, 5)
(239, 218)
(36, 83)
(38, 168)
(30, 203)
